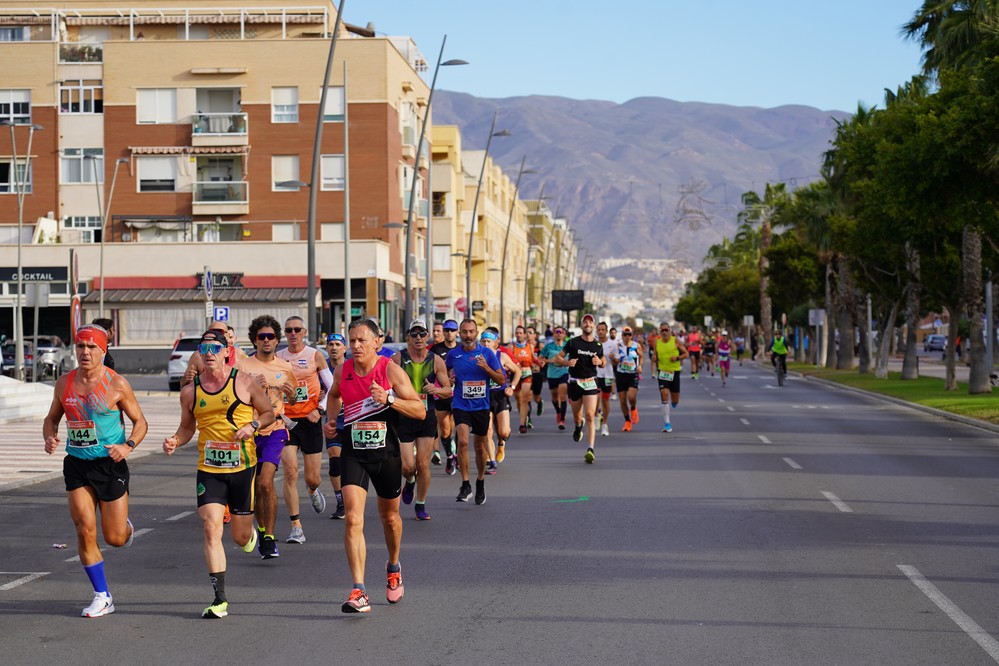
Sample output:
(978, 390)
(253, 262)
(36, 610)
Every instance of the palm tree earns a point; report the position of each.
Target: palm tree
(760, 211)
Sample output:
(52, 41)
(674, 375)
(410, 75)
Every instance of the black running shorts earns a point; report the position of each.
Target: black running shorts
(537, 383)
(234, 489)
(499, 401)
(576, 393)
(409, 429)
(306, 435)
(108, 478)
(626, 380)
(478, 420)
(385, 475)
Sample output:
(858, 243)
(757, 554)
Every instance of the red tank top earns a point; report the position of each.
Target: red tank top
(376, 438)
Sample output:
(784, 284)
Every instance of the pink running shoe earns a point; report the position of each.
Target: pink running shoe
(393, 588)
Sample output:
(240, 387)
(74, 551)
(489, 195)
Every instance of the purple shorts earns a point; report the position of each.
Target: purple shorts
(269, 447)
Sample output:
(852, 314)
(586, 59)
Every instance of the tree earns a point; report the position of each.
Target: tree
(760, 211)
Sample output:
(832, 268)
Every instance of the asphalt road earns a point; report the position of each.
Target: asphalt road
(794, 525)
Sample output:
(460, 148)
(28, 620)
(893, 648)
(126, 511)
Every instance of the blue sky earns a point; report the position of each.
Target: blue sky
(767, 53)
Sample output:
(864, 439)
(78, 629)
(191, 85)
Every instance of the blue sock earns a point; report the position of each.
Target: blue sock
(95, 572)
(675, 405)
(359, 586)
(393, 568)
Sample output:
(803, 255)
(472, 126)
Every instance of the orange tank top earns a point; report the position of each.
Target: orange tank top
(307, 385)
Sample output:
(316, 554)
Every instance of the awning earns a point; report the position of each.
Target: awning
(194, 19)
(194, 296)
(189, 150)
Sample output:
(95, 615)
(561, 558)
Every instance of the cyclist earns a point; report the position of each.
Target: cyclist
(778, 352)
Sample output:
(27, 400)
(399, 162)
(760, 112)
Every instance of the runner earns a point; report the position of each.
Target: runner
(605, 378)
(709, 352)
(275, 377)
(92, 397)
(583, 355)
(667, 362)
(471, 365)
(628, 362)
(537, 376)
(311, 374)
(740, 347)
(438, 335)
(219, 404)
(336, 347)
(445, 421)
(428, 375)
(558, 376)
(724, 357)
(693, 344)
(373, 392)
(522, 353)
(499, 399)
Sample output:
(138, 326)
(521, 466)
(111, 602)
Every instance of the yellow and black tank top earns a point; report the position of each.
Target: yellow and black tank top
(665, 350)
(219, 415)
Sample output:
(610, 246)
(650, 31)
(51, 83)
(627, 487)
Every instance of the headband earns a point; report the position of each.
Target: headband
(93, 333)
(488, 335)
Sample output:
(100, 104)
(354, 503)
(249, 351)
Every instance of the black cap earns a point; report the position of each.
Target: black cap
(213, 335)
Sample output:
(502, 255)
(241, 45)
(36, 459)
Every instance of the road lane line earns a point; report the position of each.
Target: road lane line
(837, 502)
(22, 580)
(792, 464)
(730, 408)
(721, 399)
(183, 514)
(744, 421)
(959, 617)
(763, 438)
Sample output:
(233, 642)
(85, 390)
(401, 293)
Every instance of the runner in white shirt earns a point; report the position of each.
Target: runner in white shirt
(605, 377)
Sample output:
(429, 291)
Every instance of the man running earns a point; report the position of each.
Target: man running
(724, 357)
(628, 362)
(708, 352)
(605, 377)
(275, 376)
(219, 404)
(310, 368)
(336, 347)
(693, 344)
(583, 355)
(196, 363)
(740, 347)
(558, 376)
(445, 421)
(428, 375)
(537, 376)
(373, 392)
(472, 366)
(499, 399)
(667, 361)
(522, 353)
(438, 334)
(92, 397)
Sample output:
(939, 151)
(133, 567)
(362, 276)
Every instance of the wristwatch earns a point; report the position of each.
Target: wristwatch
(389, 400)
(256, 425)
(130, 444)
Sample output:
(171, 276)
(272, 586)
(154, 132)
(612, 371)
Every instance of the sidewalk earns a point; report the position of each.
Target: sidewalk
(23, 460)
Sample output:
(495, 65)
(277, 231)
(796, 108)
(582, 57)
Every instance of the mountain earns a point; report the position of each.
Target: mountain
(650, 178)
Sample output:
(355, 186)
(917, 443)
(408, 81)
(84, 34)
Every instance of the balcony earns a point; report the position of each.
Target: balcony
(81, 53)
(221, 197)
(219, 129)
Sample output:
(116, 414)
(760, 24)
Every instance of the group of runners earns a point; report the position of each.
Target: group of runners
(378, 414)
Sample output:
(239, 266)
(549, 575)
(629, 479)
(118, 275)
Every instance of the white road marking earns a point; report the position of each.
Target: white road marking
(959, 617)
(32, 575)
(836, 502)
(792, 464)
(730, 408)
(744, 421)
(183, 514)
(763, 438)
(721, 399)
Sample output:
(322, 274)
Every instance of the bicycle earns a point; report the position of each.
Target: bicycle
(780, 367)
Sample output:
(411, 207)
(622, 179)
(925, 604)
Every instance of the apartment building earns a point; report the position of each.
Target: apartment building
(187, 124)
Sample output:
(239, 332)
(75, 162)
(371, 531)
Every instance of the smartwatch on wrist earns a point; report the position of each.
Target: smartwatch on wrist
(389, 400)
(130, 444)
(256, 425)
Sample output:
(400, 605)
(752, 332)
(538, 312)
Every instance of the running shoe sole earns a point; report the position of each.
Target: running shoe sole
(589, 457)
(318, 501)
(216, 611)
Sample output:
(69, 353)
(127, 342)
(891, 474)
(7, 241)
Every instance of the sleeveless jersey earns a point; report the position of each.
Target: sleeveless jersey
(307, 386)
(419, 374)
(368, 427)
(550, 351)
(275, 373)
(524, 357)
(694, 342)
(724, 350)
(219, 415)
(664, 352)
(627, 358)
(91, 424)
(606, 371)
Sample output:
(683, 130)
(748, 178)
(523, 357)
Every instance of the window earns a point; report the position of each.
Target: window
(284, 105)
(332, 175)
(157, 174)
(334, 111)
(82, 165)
(441, 257)
(90, 226)
(331, 231)
(10, 179)
(156, 106)
(440, 204)
(16, 34)
(15, 106)
(81, 96)
(407, 123)
(284, 232)
(284, 168)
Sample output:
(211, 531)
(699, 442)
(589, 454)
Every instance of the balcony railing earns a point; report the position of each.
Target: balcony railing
(219, 123)
(81, 53)
(221, 192)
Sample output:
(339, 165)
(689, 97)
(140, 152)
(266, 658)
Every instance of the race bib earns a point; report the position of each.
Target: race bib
(222, 455)
(302, 391)
(589, 384)
(666, 376)
(627, 366)
(423, 397)
(526, 372)
(368, 434)
(81, 434)
(473, 390)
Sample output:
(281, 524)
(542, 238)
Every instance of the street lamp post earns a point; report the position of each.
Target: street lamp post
(544, 270)
(104, 213)
(347, 304)
(20, 182)
(412, 197)
(469, 310)
(506, 241)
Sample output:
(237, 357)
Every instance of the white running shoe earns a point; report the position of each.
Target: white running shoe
(131, 534)
(604, 430)
(297, 535)
(100, 606)
(318, 501)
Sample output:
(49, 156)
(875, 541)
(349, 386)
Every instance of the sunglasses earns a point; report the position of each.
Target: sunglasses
(294, 329)
(628, 334)
(213, 348)
(266, 336)
(664, 330)
(418, 334)
(559, 330)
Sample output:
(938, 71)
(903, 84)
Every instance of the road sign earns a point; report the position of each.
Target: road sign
(816, 316)
(747, 320)
(221, 313)
(708, 321)
(460, 304)
(209, 309)
(209, 284)
(478, 305)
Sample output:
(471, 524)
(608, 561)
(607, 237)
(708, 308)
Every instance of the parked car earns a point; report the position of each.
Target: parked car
(7, 352)
(183, 349)
(54, 356)
(935, 342)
